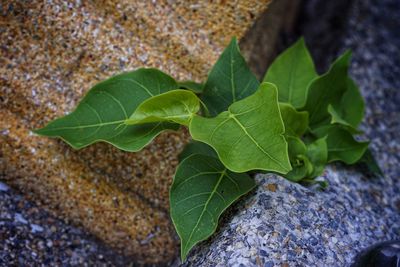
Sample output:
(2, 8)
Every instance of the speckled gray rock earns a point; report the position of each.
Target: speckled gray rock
(285, 224)
(30, 236)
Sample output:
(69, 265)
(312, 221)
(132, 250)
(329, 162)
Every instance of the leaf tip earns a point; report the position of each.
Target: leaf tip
(39, 131)
(234, 39)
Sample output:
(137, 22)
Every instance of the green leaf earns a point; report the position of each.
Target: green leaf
(352, 105)
(343, 147)
(192, 86)
(369, 161)
(292, 71)
(229, 80)
(175, 106)
(327, 89)
(317, 153)
(350, 111)
(249, 136)
(202, 189)
(296, 122)
(295, 146)
(301, 166)
(323, 130)
(101, 114)
(195, 147)
(338, 119)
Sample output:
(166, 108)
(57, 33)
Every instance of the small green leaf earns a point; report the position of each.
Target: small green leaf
(174, 106)
(296, 122)
(337, 119)
(292, 71)
(295, 146)
(202, 189)
(317, 153)
(195, 147)
(301, 166)
(327, 89)
(229, 80)
(369, 161)
(343, 147)
(249, 136)
(101, 114)
(352, 104)
(192, 86)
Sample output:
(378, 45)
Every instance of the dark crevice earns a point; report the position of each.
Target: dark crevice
(323, 24)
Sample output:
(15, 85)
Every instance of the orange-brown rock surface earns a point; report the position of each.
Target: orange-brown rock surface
(51, 53)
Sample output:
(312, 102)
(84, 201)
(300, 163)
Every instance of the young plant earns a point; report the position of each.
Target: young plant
(293, 124)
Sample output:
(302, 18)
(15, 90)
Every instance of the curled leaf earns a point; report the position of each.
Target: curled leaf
(175, 106)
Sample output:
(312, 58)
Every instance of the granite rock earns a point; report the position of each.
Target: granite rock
(51, 53)
(285, 224)
(29, 235)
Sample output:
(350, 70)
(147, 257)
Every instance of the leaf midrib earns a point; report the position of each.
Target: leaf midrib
(85, 126)
(255, 142)
(231, 78)
(205, 208)
(290, 82)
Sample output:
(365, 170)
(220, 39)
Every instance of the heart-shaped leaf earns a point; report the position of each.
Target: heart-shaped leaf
(296, 122)
(175, 106)
(249, 136)
(202, 189)
(292, 71)
(229, 80)
(101, 114)
(325, 90)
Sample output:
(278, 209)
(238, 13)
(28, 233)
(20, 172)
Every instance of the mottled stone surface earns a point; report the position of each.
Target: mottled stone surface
(285, 224)
(28, 235)
(51, 53)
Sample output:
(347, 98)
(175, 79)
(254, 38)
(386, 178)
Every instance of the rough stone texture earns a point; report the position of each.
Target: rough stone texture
(285, 224)
(28, 235)
(51, 53)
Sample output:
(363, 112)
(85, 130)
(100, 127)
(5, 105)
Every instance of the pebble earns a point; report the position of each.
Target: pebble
(3, 187)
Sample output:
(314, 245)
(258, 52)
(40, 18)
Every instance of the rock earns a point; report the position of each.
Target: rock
(20, 246)
(299, 226)
(260, 44)
(51, 54)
